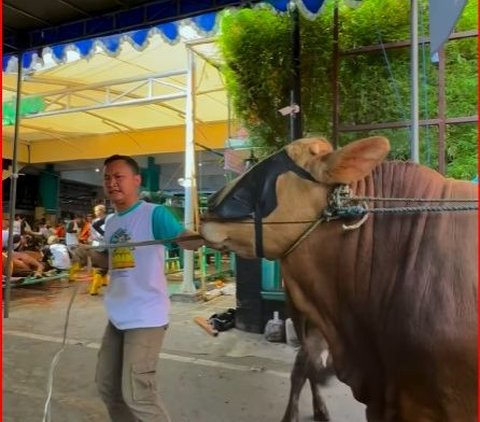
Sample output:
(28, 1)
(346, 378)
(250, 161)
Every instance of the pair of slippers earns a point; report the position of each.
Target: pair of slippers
(223, 321)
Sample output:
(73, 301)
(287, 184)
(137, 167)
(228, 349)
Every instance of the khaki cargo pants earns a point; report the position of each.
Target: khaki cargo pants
(126, 372)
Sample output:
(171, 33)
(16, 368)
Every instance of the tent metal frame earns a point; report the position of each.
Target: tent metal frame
(13, 191)
(115, 94)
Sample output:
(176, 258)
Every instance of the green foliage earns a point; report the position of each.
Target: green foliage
(374, 87)
(462, 151)
(255, 44)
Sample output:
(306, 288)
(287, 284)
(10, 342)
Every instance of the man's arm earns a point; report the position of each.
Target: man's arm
(166, 226)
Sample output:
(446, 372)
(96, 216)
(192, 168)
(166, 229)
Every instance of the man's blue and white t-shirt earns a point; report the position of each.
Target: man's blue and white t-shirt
(137, 295)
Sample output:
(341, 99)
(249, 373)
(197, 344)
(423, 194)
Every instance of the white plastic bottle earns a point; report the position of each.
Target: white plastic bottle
(275, 329)
(292, 338)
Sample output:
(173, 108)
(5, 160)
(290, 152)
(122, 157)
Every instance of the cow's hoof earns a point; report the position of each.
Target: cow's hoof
(290, 418)
(321, 416)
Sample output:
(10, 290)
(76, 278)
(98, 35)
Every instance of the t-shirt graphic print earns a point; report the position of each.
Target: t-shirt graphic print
(122, 257)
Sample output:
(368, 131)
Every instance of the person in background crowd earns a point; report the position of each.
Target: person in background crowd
(97, 232)
(18, 241)
(84, 235)
(44, 229)
(5, 233)
(25, 228)
(98, 225)
(59, 230)
(56, 255)
(72, 230)
(17, 225)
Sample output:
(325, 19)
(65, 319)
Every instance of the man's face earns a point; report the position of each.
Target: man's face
(121, 183)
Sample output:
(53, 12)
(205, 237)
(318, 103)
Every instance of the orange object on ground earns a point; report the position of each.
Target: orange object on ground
(203, 322)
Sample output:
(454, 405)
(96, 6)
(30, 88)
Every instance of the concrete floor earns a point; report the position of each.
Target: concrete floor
(235, 377)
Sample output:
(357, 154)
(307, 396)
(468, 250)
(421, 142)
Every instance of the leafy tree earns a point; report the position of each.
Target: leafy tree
(374, 87)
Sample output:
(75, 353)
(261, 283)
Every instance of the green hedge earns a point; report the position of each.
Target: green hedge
(256, 45)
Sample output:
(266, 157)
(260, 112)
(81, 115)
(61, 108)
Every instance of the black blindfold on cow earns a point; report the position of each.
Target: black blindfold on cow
(253, 194)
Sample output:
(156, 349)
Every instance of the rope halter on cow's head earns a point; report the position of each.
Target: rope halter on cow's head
(253, 195)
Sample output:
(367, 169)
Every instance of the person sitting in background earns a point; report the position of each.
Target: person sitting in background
(72, 230)
(44, 229)
(56, 254)
(23, 265)
(59, 231)
(25, 228)
(84, 235)
(18, 241)
(17, 225)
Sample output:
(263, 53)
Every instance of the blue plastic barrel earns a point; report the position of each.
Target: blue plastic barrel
(271, 277)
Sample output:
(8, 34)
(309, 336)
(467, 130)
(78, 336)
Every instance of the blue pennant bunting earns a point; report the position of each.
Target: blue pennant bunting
(111, 43)
(58, 52)
(170, 30)
(313, 6)
(84, 47)
(205, 22)
(139, 37)
(27, 60)
(280, 5)
(5, 60)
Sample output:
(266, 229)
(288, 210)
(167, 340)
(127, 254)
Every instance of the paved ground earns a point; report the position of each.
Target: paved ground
(235, 377)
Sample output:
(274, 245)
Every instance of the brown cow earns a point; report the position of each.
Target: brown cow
(395, 296)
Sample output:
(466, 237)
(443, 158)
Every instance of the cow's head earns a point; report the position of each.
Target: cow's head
(249, 215)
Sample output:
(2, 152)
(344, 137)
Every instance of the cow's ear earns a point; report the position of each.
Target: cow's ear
(354, 161)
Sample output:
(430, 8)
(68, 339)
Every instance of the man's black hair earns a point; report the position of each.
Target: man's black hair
(129, 160)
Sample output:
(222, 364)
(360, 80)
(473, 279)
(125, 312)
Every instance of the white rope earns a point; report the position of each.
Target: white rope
(56, 358)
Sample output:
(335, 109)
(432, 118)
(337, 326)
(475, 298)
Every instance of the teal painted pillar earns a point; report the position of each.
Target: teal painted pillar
(49, 186)
(151, 176)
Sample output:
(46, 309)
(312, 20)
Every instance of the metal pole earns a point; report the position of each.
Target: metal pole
(296, 130)
(13, 189)
(335, 87)
(414, 150)
(188, 263)
(441, 111)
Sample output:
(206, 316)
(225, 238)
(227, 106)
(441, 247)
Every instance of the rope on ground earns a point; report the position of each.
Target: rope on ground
(47, 408)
